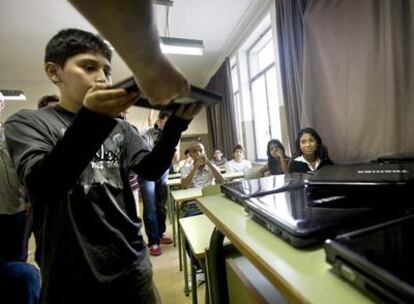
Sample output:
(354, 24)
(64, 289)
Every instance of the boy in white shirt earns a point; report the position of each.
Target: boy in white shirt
(238, 164)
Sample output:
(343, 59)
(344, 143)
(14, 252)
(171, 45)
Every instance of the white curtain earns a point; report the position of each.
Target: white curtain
(358, 76)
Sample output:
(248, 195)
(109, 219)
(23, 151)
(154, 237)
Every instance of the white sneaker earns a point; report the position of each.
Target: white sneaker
(200, 278)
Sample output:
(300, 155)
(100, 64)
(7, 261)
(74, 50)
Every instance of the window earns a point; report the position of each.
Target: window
(263, 90)
(236, 97)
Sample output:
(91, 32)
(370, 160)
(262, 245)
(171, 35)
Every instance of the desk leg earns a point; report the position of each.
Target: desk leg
(193, 279)
(174, 215)
(183, 245)
(217, 269)
(169, 204)
(207, 287)
(180, 256)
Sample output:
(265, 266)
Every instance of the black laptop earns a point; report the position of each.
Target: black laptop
(303, 222)
(241, 190)
(378, 260)
(195, 95)
(396, 158)
(369, 180)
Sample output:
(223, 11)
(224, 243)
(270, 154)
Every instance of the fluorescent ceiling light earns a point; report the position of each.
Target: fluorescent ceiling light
(13, 95)
(163, 2)
(171, 45)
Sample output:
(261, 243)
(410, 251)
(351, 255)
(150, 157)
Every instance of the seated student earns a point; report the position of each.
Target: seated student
(277, 161)
(238, 164)
(219, 160)
(74, 160)
(187, 161)
(202, 172)
(310, 154)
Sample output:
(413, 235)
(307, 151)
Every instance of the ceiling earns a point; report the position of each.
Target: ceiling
(26, 26)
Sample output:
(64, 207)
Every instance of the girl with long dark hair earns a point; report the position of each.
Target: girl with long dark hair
(311, 154)
(277, 161)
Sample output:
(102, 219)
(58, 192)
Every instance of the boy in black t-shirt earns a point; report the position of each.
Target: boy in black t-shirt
(74, 159)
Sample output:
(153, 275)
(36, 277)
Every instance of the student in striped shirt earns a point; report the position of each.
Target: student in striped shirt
(202, 172)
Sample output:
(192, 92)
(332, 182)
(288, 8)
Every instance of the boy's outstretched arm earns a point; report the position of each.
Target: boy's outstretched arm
(130, 27)
(154, 164)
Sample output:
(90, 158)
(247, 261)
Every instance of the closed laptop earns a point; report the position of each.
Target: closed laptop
(241, 190)
(370, 179)
(378, 260)
(302, 222)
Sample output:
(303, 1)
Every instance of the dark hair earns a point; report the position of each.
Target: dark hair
(70, 42)
(187, 151)
(45, 100)
(238, 147)
(274, 166)
(321, 152)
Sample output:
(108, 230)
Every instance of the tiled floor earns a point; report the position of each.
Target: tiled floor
(168, 279)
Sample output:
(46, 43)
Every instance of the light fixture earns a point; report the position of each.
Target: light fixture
(13, 95)
(182, 46)
(163, 2)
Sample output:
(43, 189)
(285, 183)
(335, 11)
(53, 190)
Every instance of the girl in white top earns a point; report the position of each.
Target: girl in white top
(238, 164)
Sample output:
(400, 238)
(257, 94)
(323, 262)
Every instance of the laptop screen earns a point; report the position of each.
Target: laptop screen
(269, 184)
(389, 247)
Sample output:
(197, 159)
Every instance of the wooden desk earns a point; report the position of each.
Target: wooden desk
(301, 276)
(175, 182)
(174, 176)
(181, 197)
(184, 195)
(232, 175)
(196, 232)
(171, 184)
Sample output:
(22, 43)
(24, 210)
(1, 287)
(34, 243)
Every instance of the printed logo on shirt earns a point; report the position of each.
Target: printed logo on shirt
(104, 167)
(109, 154)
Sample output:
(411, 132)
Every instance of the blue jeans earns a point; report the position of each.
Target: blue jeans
(154, 197)
(19, 283)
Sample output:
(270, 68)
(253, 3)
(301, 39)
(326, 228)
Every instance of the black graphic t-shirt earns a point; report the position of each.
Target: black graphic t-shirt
(75, 168)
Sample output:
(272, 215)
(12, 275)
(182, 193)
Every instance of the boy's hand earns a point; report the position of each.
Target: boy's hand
(201, 161)
(187, 112)
(106, 101)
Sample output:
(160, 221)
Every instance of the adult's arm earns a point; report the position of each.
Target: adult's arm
(130, 27)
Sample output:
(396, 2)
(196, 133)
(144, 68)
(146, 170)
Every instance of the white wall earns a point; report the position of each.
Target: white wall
(138, 117)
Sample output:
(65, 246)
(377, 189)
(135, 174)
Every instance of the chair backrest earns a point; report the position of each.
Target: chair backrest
(252, 173)
(211, 190)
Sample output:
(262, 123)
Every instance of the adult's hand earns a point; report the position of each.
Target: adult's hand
(188, 111)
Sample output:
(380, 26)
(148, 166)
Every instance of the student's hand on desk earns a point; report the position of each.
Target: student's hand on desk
(187, 112)
(106, 101)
